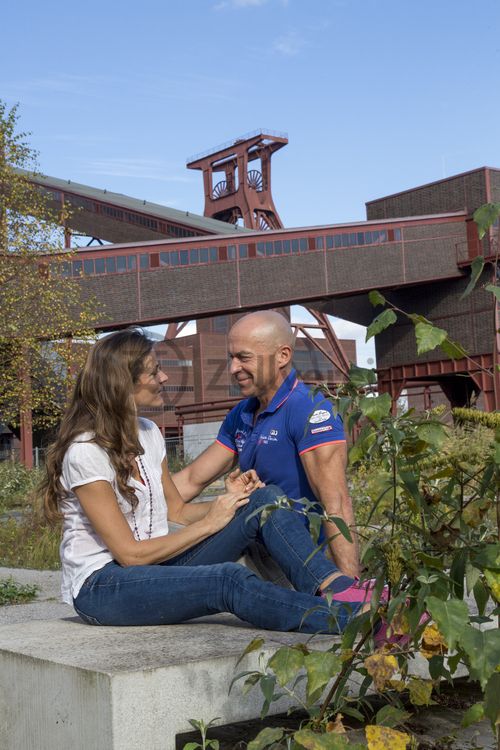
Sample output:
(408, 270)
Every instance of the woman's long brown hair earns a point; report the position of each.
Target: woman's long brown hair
(102, 403)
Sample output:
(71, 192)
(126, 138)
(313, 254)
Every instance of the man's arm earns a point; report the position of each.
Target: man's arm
(206, 468)
(325, 470)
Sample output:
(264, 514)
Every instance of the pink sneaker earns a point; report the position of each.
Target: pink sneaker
(358, 592)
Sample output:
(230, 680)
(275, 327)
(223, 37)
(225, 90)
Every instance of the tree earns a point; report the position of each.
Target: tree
(45, 324)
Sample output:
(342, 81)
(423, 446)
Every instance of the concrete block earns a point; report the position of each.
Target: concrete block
(65, 685)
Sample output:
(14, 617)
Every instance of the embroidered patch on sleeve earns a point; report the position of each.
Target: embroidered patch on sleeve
(325, 428)
(318, 416)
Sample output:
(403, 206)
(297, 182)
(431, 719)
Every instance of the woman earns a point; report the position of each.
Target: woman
(107, 476)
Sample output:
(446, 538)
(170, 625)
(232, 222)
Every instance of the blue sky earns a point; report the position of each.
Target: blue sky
(376, 95)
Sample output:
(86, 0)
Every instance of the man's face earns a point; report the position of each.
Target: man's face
(254, 364)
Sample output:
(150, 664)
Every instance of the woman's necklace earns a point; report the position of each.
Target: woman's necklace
(150, 491)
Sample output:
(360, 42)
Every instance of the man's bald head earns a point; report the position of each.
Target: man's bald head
(261, 348)
(269, 328)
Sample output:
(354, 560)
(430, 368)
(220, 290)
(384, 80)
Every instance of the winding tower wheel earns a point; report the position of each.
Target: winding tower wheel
(254, 180)
(220, 190)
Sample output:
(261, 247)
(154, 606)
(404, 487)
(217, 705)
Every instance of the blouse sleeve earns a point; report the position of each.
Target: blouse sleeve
(85, 463)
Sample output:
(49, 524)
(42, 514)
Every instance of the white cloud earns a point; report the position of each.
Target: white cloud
(289, 44)
(150, 169)
(238, 4)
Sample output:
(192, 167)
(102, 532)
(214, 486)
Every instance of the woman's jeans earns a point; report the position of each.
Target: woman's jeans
(205, 580)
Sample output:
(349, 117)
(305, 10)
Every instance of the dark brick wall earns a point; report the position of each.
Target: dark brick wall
(281, 279)
(468, 322)
(495, 185)
(167, 292)
(117, 293)
(428, 252)
(463, 192)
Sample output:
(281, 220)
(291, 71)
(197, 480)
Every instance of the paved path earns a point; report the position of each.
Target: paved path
(46, 606)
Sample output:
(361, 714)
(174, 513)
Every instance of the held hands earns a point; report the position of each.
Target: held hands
(223, 509)
(247, 481)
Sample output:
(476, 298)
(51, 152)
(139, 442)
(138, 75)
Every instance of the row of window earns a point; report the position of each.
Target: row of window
(175, 362)
(213, 254)
(112, 212)
(178, 388)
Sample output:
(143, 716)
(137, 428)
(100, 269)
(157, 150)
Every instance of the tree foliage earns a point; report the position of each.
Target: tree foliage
(45, 325)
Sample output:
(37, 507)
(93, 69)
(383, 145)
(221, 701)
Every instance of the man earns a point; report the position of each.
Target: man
(279, 430)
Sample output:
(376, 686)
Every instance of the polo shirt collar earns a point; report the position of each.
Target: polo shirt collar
(279, 397)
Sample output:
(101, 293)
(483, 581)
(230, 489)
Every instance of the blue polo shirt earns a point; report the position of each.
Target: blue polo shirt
(293, 423)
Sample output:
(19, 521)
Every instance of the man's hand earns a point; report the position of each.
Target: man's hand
(246, 481)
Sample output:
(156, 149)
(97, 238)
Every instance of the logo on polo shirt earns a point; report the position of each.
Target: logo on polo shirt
(271, 438)
(325, 428)
(318, 416)
(240, 439)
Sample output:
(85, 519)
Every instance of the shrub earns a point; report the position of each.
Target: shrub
(16, 484)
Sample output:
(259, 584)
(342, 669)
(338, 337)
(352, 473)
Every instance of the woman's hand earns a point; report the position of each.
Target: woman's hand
(247, 481)
(223, 509)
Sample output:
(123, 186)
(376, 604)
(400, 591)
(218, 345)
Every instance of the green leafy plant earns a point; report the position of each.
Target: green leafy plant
(12, 592)
(203, 728)
(431, 531)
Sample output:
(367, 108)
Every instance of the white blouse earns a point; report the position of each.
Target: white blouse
(82, 550)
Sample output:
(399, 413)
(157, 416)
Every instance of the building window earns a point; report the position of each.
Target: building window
(176, 362)
(178, 388)
(77, 268)
(221, 324)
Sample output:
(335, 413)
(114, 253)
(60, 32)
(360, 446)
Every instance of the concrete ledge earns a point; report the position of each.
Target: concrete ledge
(65, 685)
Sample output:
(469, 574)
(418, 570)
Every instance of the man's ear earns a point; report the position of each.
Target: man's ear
(285, 354)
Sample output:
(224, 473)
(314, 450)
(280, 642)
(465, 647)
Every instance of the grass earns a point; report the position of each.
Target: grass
(12, 592)
(29, 543)
(26, 540)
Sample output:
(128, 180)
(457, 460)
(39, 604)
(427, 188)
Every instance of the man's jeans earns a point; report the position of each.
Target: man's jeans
(205, 580)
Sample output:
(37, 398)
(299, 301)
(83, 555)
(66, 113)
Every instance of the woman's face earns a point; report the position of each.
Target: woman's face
(147, 390)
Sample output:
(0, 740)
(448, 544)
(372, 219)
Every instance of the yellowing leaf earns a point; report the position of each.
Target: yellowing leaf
(493, 581)
(420, 691)
(433, 642)
(397, 685)
(336, 726)
(384, 738)
(381, 668)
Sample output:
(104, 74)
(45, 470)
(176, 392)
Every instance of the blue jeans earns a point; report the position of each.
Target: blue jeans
(205, 580)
